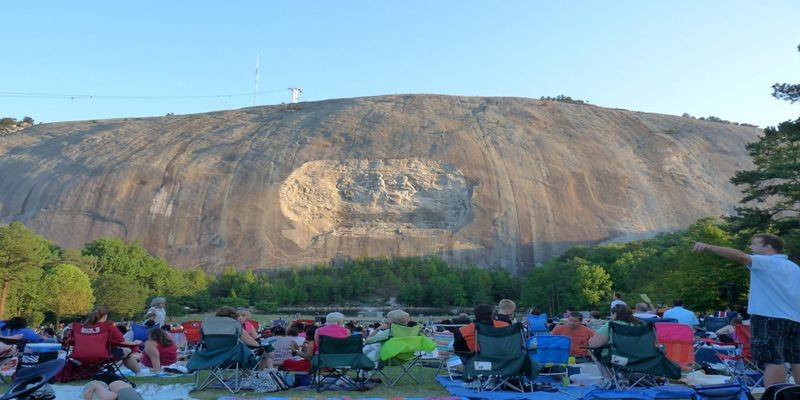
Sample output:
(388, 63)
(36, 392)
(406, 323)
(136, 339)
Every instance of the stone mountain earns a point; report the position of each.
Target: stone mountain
(501, 182)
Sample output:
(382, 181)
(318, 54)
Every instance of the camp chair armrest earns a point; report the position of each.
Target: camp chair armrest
(7, 340)
(605, 346)
(135, 348)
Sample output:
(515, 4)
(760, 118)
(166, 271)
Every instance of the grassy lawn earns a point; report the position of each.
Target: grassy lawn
(428, 387)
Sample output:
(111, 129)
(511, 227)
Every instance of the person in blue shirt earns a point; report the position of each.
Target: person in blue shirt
(17, 328)
(683, 315)
(773, 304)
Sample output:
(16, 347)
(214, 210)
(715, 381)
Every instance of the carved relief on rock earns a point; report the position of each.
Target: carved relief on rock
(375, 197)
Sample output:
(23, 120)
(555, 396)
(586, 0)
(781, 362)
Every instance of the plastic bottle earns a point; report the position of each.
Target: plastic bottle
(565, 381)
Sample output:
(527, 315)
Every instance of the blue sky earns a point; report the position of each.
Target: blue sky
(699, 57)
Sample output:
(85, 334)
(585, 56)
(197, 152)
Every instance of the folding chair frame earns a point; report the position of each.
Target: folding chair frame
(494, 381)
(546, 360)
(624, 378)
(326, 374)
(226, 372)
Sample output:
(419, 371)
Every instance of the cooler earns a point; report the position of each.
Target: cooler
(37, 353)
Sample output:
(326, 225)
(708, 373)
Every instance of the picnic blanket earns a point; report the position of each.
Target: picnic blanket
(458, 388)
(147, 390)
(338, 398)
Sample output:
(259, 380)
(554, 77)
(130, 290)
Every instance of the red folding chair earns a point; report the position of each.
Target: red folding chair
(256, 326)
(90, 351)
(192, 331)
(678, 342)
(739, 363)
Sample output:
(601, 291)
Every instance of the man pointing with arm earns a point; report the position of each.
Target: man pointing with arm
(773, 304)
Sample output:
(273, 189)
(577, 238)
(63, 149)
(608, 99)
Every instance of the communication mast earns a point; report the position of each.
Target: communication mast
(255, 91)
(296, 92)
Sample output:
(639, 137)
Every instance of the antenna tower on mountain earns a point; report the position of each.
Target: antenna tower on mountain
(255, 91)
(296, 92)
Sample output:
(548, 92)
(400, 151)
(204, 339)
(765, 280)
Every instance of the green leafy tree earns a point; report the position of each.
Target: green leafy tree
(21, 251)
(412, 294)
(775, 183)
(125, 298)
(787, 91)
(25, 297)
(69, 291)
(701, 275)
(593, 283)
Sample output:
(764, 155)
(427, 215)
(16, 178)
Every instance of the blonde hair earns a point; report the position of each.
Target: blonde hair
(243, 312)
(506, 306)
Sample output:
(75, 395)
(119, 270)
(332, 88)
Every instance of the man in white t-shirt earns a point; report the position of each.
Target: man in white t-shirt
(773, 304)
(617, 300)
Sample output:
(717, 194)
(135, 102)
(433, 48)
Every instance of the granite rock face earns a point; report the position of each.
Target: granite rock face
(501, 182)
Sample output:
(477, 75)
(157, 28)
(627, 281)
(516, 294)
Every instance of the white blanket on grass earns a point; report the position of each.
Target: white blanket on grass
(178, 391)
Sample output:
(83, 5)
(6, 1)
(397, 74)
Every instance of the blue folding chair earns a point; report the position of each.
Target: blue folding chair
(551, 352)
(537, 324)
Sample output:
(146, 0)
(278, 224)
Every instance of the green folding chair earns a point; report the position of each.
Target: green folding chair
(501, 359)
(634, 359)
(226, 358)
(341, 360)
(404, 350)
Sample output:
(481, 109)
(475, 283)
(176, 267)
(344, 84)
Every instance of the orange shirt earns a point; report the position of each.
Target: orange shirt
(468, 332)
(579, 338)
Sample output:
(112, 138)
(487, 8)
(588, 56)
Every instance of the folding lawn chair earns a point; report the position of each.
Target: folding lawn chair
(29, 380)
(221, 352)
(337, 360)
(501, 360)
(737, 358)
(782, 391)
(192, 331)
(140, 331)
(713, 324)
(404, 349)
(444, 351)
(634, 359)
(678, 342)
(178, 336)
(537, 324)
(743, 335)
(551, 352)
(90, 351)
(9, 356)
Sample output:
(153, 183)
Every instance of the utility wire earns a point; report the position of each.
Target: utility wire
(122, 97)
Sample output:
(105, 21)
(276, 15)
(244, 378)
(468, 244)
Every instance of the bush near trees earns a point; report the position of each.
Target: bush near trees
(564, 99)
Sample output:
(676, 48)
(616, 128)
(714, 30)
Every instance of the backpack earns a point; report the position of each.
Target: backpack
(725, 391)
(782, 391)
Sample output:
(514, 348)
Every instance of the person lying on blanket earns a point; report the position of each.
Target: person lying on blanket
(108, 386)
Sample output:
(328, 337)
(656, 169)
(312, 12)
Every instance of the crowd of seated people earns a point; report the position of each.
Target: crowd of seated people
(292, 348)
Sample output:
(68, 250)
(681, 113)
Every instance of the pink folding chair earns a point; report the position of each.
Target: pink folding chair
(678, 342)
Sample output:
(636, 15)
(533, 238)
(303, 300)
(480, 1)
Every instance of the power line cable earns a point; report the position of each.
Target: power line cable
(122, 97)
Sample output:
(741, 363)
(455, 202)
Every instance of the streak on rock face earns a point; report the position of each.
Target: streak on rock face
(499, 182)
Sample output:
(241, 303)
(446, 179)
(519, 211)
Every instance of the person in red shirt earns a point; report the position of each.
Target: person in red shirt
(97, 322)
(159, 350)
(578, 334)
